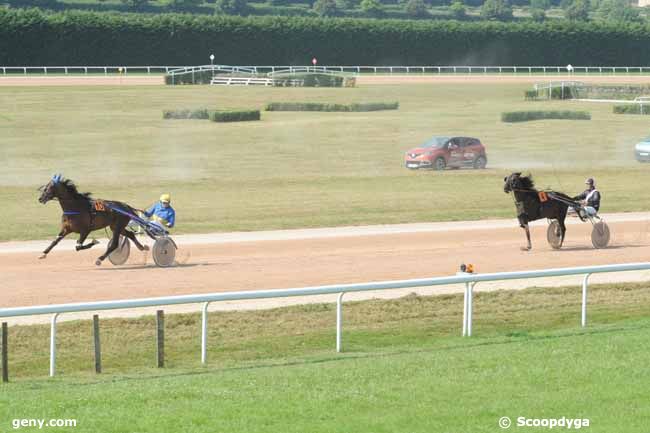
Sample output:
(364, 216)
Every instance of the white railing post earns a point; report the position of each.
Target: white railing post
(339, 321)
(204, 333)
(465, 305)
(585, 283)
(53, 344)
(469, 308)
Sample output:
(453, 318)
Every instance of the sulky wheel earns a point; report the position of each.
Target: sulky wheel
(554, 235)
(600, 235)
(121, 254)
(164, 252)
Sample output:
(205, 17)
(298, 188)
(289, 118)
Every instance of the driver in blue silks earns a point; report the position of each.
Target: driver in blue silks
(162, 212)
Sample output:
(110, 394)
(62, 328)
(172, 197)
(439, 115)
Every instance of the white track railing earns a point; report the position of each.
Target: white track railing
(468, 280)
(525, 70)
(86, 70)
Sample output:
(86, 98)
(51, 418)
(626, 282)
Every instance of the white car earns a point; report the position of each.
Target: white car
(642, 150)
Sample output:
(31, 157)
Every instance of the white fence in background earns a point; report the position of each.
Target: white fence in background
(468, 280)
(525, 70)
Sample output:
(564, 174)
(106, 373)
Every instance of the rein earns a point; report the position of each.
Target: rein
(548, 193)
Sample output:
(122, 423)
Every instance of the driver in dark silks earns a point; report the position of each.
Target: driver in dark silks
(590, 198)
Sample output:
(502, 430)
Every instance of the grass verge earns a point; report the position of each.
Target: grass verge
(404, 367)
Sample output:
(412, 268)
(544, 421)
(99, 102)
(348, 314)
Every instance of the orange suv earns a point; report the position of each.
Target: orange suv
(442, 152)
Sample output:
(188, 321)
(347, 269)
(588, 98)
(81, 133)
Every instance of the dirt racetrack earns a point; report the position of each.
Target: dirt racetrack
(313, 257)
(81, 80)
(499, 79)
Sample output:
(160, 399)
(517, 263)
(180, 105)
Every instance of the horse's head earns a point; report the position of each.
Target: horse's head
(49, 190)
(511, 182)
(517, 182)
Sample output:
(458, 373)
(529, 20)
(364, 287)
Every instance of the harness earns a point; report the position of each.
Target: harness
(543, 196)
(519, 205)
(96, 206)
(590, 195)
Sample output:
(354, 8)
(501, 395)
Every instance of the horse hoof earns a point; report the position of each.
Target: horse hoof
(145, 248)
(42, 257)
(94, 242)
(98, 262)
(526, 248)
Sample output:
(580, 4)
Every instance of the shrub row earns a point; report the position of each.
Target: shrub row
(530, 94)
(201, 113)
(201, 77)
(632, 109)
(310, 79)
(524, 116)
(214, 115)
(97, 38)
(594, 92)
(315, 106)
(307, 79)
(566, 92)
(234, 116)
(612, 92)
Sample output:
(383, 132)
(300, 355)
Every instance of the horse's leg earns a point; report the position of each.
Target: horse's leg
(63, 233)
(529, 246)
(112, 245)
(82, 238)
(129, 234)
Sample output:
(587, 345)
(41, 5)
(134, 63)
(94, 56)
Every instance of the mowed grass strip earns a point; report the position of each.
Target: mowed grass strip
(308, 331)
(405, 368)
(295, 170)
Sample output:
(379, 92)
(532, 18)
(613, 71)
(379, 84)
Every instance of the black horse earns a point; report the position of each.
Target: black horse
(533, 205)
(83, 214)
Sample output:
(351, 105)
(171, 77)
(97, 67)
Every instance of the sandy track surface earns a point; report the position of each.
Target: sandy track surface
(284, 259)
(82, 80)
(488, 78)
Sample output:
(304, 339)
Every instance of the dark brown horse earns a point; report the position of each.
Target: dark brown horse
(532, 204)
(83, 214)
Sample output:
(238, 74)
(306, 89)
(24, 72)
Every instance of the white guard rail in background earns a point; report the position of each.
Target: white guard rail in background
(551, 70)
(469, 280)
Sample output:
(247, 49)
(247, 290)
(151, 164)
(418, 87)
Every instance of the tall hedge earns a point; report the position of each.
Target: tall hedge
(32, 37)
(526, 116)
